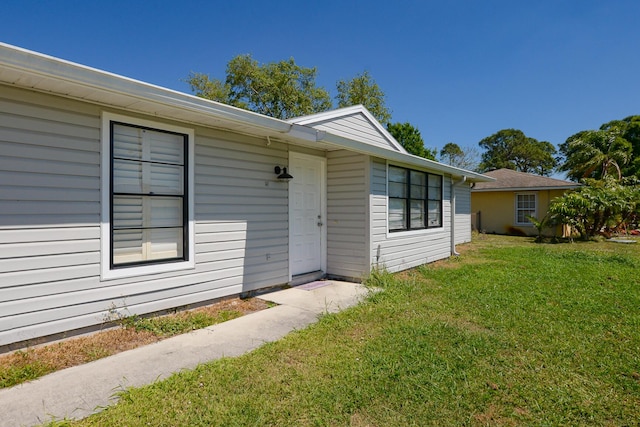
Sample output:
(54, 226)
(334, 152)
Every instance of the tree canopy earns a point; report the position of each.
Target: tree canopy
(512, 149)
(409, 137)
(464, 158)
(607, 205)
(450, 152)
(277, 89)
(613, 150)
(285, 89)
(362, 89)
(595, 154)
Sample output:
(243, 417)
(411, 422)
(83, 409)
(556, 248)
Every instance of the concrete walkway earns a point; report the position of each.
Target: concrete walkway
(82, 390)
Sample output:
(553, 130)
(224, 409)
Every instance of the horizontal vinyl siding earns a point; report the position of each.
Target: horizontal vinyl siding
(50, 221)
(463, 214)
(49, 208)
(49, 167)
(241, 204)
(403, 250)
(356, 127)
(347, 232)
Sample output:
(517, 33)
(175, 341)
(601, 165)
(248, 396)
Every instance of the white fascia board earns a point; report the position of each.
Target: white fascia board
(347, 111)
(73, 74)
(326, 115)
(400, 158)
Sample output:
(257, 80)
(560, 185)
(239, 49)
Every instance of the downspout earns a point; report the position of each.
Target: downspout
(453, 213)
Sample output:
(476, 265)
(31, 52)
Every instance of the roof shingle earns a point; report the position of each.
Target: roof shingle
(510, 180)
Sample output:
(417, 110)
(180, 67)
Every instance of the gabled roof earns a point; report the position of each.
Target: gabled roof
(35, 71)
(510, 180)
(354, 122)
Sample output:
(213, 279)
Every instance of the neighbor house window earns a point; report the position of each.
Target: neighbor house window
(415, 199)
(149, 197)
(525, 206)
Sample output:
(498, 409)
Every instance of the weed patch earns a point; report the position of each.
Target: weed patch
(29, 364)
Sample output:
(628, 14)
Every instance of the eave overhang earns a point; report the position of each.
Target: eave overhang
(30, 70)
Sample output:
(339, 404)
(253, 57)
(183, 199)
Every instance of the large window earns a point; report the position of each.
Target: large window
(415, 199)
(525, 206)
(148, 202)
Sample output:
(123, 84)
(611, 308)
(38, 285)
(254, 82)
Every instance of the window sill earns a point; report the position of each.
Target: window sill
(408, 233)
(145, 270)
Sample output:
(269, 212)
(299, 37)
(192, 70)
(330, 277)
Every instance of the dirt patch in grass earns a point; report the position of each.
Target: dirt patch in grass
(31, 363)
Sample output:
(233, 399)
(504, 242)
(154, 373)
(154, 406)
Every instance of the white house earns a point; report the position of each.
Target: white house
(121, 196)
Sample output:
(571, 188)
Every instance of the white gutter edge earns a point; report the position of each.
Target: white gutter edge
(407, 159)
(46, 66)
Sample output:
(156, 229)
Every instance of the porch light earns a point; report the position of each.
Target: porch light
(282, 174)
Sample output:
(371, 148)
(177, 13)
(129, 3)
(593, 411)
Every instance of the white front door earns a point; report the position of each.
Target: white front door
(306, 213)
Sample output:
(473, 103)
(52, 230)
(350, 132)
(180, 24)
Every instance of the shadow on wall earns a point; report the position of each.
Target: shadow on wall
(514, 231)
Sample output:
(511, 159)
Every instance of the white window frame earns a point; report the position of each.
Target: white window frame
(107, 272)
(516, 209)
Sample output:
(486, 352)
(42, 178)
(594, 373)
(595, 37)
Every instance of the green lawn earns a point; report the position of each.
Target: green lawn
(509, 333)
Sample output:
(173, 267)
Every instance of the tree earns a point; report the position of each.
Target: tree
(277, 89)
(512, 149)
(362, 89)
(204, 87)
(601, 205)
(463, 158)
(409, 137)
(595, 154)
(629, 129)
(451, 151)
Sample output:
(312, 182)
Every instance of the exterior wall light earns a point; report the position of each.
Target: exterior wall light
(282, 173)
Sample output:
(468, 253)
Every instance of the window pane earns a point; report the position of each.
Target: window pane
(127, 176)
(142, 177)
(434, 218)
(525, 206)
(397, 189)
(166, 147)
(148, 188)
(418, 185)
(397, 174)
(418, 192)
(166, 179)
(523, 213)
(134, 143)
(417, 214)
(521, 218)
(127, 212)
(397, 214)
(139, 245)
(146, 212)
(127, 142)
(165, 212)
(165, 243)
(418, 178)
(435, 187)
(127, 246)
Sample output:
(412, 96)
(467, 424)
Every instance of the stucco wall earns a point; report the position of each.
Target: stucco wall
(497, 211)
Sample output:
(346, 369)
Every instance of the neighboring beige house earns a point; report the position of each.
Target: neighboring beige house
(502, 206)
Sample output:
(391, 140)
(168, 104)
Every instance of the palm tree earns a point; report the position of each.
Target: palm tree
(595, 154)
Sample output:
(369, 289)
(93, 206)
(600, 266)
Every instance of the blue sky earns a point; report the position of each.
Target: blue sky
(457, 70)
